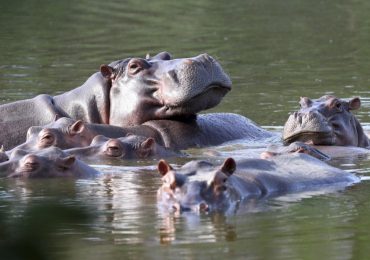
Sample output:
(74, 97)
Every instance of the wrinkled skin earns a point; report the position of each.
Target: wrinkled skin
(48, 163)
(129, 147)
(326, 121)
(204, 130)
(203, 186)
(125, 93)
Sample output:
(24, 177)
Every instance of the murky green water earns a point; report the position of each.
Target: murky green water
(274, 51)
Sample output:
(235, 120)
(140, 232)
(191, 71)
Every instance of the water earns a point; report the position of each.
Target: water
(274, 51)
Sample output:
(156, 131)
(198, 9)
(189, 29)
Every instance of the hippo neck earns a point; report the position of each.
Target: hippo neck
(89, 102)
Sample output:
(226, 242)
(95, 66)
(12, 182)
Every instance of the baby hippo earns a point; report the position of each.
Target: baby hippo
(47, 163)
(128, 147)
(203, 186)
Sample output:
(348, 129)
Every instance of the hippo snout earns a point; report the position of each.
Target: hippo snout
(30, 163)
(300, 126)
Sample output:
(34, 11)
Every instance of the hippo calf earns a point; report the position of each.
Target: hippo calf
(48, 163)
(203, 186)
(203, 130)
(326, 121)
(128, 147)
(125, 93)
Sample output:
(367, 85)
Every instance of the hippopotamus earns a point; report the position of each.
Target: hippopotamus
(203, 130)
(128, 147)
(46, 163)
(205, 186)
(326, 121)
(296, 147)
(124, 93)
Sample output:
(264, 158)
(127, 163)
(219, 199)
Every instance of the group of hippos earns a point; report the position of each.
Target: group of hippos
(147, 108)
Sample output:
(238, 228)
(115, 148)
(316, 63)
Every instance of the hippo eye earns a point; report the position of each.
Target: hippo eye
(338, 106)
(47, 139)
(137, 65)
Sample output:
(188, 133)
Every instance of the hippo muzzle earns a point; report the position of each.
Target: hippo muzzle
(194, 84)
(311, 127)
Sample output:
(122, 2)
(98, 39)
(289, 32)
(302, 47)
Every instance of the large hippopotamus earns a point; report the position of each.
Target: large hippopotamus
(204, 186)
(326, 121)
(125, 93)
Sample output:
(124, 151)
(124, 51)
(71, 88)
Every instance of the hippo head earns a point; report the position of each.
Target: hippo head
(162, 88)
(326, 121)
(129, 147)
(52, 162)
(197, 186)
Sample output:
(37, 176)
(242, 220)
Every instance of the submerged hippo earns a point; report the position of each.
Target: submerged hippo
(326, 121)
(200, 185)
(203, 130)
(128, 147)
(47, 163)
(126, 92)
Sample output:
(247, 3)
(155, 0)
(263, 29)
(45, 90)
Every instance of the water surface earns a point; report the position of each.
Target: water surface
(274, 51)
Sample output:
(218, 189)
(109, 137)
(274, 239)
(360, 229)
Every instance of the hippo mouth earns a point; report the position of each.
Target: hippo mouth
(210, 97)
(313, 138)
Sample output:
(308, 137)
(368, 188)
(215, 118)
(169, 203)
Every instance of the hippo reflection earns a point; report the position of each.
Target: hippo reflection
(125, 92)
(203, 186)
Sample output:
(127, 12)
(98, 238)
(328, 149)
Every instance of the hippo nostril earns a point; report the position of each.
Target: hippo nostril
(31, 163)
(203, 206)
(173, 75)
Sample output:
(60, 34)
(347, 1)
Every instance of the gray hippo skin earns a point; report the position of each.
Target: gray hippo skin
(203, 186)
(125, 93)
(326, 121)
(48, 163)
(128, 147)
(203, 130)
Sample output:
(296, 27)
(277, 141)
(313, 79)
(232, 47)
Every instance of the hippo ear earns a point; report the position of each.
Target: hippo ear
(229, 166)
(107, 71)
(164, 167)
(67, 162)
(354, 103)
(146, 148)
(56, 117)
(148, 143)
(76, 128)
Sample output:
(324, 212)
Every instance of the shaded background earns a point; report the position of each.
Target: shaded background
(274, 51)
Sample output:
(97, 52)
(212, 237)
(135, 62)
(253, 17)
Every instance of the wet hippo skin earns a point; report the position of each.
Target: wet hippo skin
(204, 186)
(326, 121)
(47, 163)
(125, 93)
(203, 130)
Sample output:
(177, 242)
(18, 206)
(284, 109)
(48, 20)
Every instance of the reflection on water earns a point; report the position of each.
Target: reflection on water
(274, 51)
